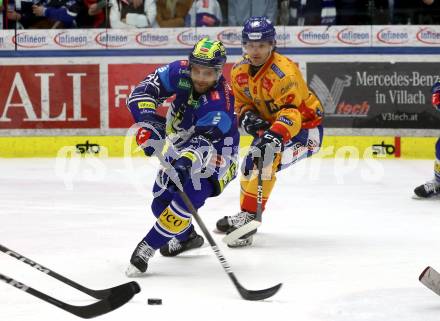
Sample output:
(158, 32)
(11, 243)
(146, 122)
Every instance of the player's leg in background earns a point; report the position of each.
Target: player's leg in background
(248, 194)
(303, 145)
(432, 187)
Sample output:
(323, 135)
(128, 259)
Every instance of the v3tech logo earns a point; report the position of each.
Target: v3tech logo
(330, 98)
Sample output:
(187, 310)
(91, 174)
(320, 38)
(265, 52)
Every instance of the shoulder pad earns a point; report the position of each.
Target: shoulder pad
(244, 61)
(180, 67)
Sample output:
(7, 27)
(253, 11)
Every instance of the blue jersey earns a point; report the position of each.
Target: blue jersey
(204, 125)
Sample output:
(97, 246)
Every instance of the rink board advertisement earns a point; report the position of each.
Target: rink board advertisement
(376, 95)
(172, 38)
(354, 94)
(49, 96)
(70, 86)
(122, 79)
(355, 147)
(77, 109)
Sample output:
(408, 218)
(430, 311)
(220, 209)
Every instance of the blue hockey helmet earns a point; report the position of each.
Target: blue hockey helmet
(258, 29)
(208, 53)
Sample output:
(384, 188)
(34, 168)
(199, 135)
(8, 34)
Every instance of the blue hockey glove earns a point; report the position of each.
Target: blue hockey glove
(181, 174)
(436, 95)
(252, 123)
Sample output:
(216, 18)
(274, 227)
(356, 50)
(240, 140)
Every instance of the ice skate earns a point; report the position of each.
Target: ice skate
(427, 190)
(175, 247)
(139, 259)
(230, 223)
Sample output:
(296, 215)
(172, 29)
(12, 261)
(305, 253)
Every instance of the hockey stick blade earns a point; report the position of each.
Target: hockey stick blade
(431, 279)
(114, 301)
(245, 294)
(97, 294)
(255, 295)
(242, 230)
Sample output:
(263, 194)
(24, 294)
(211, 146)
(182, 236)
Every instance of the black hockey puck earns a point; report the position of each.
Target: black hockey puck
(154, 301)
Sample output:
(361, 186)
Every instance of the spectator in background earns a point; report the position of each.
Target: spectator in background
(352, 12)
(1, 14)
(429, 13)
(415, 12)
(172, 13)
(62, 12)
(307, 12)
(20, 14)
(204, 13)
(133, 14)
(240, 10)
(224, 8)
(381, 13)
(400, 11)
(93, 14)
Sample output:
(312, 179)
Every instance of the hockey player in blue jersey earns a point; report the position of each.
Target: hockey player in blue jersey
(432, 187)
(200, 154)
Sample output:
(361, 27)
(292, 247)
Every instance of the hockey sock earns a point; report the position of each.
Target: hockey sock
(171, 222)
(248, 193)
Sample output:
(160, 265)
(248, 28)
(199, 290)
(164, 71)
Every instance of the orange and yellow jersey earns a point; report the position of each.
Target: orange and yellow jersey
(278, 93)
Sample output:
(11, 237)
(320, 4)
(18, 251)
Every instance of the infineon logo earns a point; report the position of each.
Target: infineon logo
(30, 41)
(351, 37)
(111, 39)
(149, 39)
(311, 37)
(429, 36)
(392, 37)
(230, 37)
(189, 37)
(67, 40)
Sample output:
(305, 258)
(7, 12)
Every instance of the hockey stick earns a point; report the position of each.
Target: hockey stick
(245, 294)
(431, 279)
(114, 301)
(254, 224)
(97, 294)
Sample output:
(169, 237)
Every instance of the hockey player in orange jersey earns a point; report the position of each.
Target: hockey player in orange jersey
(275, 106)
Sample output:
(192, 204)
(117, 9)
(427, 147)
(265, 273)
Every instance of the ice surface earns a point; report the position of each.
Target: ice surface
(347, 241)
